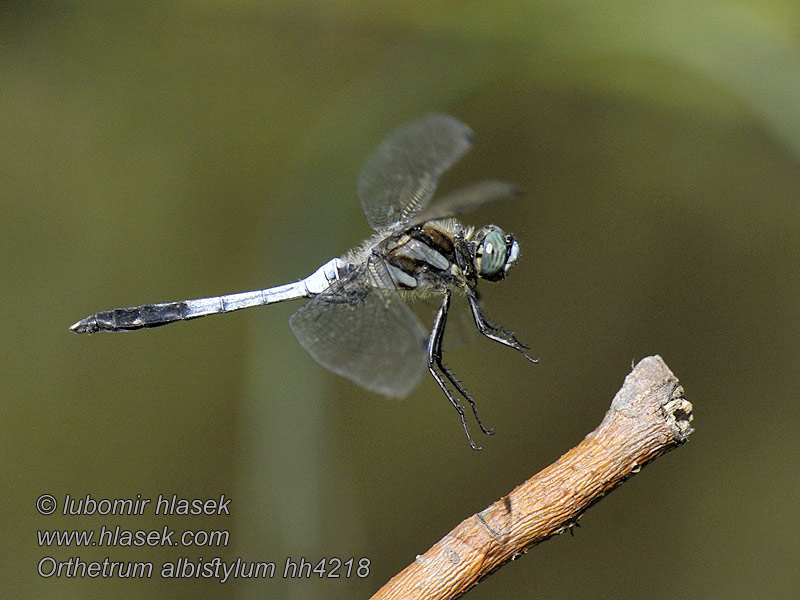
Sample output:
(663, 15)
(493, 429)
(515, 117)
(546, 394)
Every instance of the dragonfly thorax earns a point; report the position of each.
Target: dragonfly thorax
(438, 255)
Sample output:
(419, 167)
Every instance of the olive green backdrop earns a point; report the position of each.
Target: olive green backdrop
(155, 152)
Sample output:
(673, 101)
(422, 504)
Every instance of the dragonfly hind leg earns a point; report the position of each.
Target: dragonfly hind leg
(494, 332)
(435, 360)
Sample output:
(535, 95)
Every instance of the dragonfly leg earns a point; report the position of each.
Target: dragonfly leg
(449, 374)
(492, 331)
(435, 360)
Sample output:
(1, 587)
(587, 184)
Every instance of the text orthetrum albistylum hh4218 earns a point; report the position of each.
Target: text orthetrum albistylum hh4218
(356, 323)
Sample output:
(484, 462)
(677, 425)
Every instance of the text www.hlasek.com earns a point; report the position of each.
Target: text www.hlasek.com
(119, 537)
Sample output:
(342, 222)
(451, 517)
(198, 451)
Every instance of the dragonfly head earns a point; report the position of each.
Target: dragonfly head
(495, 253)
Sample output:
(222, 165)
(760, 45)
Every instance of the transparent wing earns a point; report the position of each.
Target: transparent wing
(399, 179)
(467, 199)
(365, 333)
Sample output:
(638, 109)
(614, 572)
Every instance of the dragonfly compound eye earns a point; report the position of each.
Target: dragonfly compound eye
(492, 254)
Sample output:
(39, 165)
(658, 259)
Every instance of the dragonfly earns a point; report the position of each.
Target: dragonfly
(357, 323)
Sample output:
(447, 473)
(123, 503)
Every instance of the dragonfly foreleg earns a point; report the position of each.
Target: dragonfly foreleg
(492, 331)
(435, 360)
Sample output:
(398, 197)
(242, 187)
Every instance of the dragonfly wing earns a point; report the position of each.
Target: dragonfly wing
(399, 179)
(365, 333)
(467, 199)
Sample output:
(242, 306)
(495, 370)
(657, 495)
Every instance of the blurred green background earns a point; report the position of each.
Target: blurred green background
(155, 152)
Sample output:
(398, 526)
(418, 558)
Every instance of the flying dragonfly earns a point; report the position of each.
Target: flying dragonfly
(356, 322)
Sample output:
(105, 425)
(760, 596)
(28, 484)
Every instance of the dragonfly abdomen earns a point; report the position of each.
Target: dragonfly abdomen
(137, 317)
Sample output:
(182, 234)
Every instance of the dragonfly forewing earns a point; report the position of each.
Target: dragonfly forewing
(467, 199)
(399, 178)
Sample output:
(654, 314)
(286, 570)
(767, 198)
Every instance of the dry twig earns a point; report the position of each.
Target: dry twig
(648, 417)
